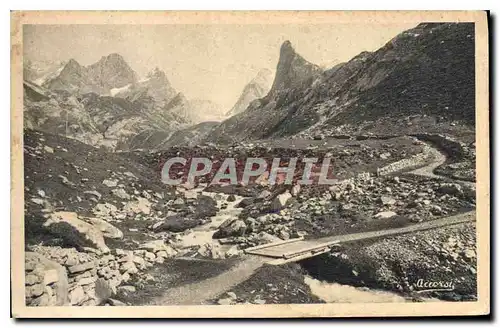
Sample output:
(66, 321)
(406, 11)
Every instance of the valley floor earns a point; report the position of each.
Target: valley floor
(116, 235)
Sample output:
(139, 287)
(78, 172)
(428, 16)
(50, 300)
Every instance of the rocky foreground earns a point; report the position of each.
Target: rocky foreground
(445, 255)
(101, 228)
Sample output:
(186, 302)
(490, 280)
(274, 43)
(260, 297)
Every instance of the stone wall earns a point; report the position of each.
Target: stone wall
(65, 276)
(414, 161)
(46, 281)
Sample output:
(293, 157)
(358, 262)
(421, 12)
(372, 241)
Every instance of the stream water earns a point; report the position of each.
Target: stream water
(202, 235)
(332, 292)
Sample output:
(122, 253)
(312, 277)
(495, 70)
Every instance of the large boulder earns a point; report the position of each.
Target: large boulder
(110, 182)
(176, 223)
(157, 246)
(233, 227)
(265, 238)
(91, 233)
(121, 193)
(450, 189)
(245, 202)
(280, 201)
(213, 251)
(264, 194)
(108, 230)
(77, 295)
(205, 207)
(105, 210)
(139, 206)
(387, 200)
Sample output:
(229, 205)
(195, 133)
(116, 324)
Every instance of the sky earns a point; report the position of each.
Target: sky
(212, 62)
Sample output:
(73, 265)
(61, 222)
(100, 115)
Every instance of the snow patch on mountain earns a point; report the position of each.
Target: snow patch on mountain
(257, 88)
(49, 75)
(113, 92)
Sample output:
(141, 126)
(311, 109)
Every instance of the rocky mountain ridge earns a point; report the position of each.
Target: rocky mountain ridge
(109, 72)
(418, 81)
(106, 105)
(155, 85)
(424, 74)
(292, 71)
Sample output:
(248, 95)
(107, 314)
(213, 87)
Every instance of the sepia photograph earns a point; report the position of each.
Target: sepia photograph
(250, 164)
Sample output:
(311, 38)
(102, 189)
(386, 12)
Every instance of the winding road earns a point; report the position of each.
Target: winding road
(438, 159)
(428, 171)
(199, 292)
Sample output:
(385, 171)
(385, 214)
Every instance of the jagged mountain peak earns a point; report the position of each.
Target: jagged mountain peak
(71, 71)
(286, 48)
(425, 74)
(110, 72)
(113, 57)
(292, 69)
(72, 62)
(113, 62)
(71, 65)
(158, 77)
(257, 88)
(155, 85)
(156, 73)
(288, 54)
(38, 71)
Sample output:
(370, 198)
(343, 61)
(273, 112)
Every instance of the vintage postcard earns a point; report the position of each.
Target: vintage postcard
(250, 164)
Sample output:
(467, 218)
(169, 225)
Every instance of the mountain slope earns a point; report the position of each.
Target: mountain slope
(257, 88)
(293, 71)
(203, 110)
(190, 136)
(100, 121)
(41, 71)
(427, 72)
(105, 105)
(155, 85)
